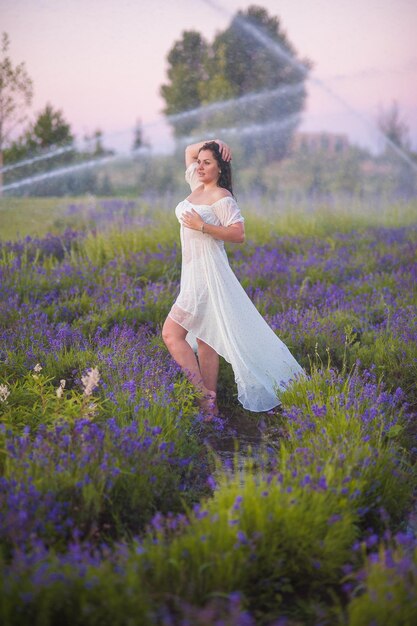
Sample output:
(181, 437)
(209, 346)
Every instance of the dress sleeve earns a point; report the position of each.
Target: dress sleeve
(228, 211)
(191, 176)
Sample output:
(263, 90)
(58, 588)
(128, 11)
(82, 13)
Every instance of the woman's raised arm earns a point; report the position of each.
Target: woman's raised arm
(191, 151)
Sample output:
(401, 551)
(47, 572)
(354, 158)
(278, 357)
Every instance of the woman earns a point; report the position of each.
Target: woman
(212, 306)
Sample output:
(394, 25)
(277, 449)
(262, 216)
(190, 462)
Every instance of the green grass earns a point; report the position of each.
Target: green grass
(21, 217)
(283, 526)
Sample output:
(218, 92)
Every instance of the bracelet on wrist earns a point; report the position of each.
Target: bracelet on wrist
(202, 227)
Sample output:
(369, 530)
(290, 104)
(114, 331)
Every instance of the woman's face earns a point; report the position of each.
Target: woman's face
(207, 167)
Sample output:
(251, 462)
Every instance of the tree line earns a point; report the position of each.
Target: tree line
(49, 134)
(236, 85)
(199, 73)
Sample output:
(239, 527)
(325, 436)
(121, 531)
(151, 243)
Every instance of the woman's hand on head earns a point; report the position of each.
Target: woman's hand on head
(191, 219)
(225, 150)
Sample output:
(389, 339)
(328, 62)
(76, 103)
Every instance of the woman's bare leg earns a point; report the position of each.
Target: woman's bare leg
(208, 360)
(174, 338)
(174, 335)
(209, 364)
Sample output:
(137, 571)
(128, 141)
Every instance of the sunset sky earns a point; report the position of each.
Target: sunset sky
(103, 61)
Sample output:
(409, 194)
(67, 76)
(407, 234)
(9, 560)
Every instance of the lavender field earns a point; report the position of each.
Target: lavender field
(119, 505)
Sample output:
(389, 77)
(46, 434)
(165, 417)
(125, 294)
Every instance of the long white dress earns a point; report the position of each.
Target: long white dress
(213, 306)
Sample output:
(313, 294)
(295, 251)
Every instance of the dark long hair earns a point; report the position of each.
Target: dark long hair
(225, 178)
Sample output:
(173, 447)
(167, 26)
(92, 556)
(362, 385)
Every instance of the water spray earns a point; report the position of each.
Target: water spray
(251, 129)
(276, 49)
(252, 98)
(69, 169)
(257, 97)
(53, 152)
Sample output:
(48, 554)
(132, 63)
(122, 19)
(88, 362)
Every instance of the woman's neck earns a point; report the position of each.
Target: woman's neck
(210, 186)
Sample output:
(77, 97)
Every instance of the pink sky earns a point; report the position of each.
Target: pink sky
(103, 61)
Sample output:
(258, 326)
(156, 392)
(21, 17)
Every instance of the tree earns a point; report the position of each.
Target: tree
(16, 93)
(49, 129)
(397, 151)
(187, 70)
(43, 138)
(94, 144)
(393, 127)
(251, 65)
(99, 149)
(138, 137)
(236, 64)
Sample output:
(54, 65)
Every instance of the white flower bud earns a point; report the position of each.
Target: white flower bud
(4, 393)
(90, 381)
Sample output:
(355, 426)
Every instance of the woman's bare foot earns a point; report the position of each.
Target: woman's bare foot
(208, 405)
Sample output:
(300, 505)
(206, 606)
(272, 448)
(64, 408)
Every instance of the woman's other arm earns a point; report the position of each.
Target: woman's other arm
(235, 233)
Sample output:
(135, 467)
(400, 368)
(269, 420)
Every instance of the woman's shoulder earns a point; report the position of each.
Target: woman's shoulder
(221, 193)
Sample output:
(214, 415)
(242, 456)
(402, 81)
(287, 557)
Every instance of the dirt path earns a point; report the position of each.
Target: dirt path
(243, 432)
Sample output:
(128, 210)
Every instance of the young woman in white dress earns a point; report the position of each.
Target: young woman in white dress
(212, 307)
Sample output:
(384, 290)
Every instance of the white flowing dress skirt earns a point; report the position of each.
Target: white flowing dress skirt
(214, 307)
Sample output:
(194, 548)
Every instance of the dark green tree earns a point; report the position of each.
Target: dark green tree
(252, 56)
(187, 70)
(137, 136)
(49, 129)
(95, 146)
(44, 137)
(256, 56)
(139, 140)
